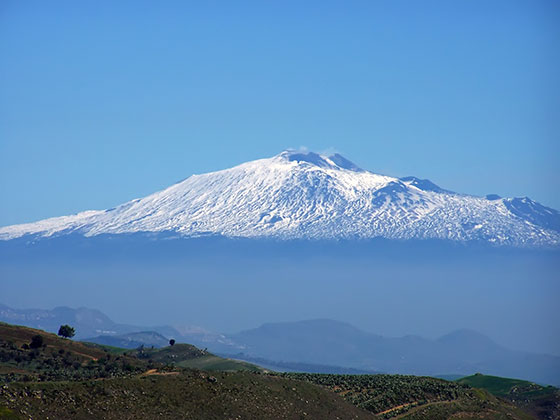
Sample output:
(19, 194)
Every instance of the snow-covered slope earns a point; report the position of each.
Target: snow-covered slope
(306, 195)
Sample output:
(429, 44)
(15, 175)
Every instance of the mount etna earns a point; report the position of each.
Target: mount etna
(311, 196)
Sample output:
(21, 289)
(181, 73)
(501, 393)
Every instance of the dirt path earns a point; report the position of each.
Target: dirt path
(420, 407)
(152, 372)
(397, 408)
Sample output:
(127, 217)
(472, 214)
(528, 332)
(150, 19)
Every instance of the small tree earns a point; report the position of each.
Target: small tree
(36, 342)
(171, 342)
(66, 331)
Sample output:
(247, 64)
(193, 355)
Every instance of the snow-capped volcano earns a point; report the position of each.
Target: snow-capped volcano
(311, 196)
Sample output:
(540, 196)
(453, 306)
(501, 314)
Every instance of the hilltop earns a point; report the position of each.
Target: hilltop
(541, 401)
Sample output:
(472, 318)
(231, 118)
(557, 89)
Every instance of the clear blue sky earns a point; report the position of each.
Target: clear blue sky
(105, 101)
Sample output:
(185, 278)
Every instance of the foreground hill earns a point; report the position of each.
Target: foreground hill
(188, 356)
(414, 397)
(56, 359)
(542, 401)
(186, 394)
(311, 196)
(65, 379)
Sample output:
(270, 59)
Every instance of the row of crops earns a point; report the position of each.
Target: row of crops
(380, 393)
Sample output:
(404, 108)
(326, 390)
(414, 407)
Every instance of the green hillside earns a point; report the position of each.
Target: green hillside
(541, 401)
(188, 356)
(58, 359)
(187, 394)
(506, 387)
(414, 397)
(63, 379)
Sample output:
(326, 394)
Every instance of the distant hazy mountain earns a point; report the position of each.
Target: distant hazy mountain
(87, 322)
(336, 343)
(311, 196)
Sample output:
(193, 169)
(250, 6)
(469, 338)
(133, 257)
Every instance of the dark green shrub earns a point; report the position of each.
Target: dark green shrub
(66, 331)
(36, 341)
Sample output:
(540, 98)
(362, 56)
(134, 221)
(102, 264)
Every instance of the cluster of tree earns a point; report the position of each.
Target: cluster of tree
(37, 341)
(66, 331)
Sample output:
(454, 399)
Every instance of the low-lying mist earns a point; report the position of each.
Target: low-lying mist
(390, 288)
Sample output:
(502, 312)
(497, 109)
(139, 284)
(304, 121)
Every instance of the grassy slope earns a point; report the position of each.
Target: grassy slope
(20, 335)
(465, 409)
(58, 359)
(506, 387)
(189, 394)
(188, 356)
(541, 401)
(213, 363)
